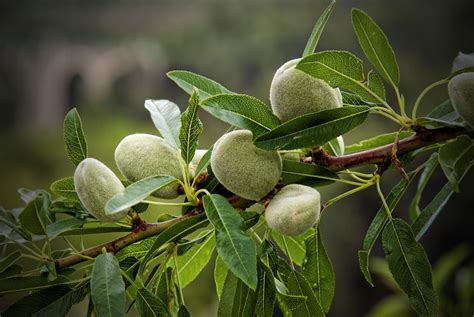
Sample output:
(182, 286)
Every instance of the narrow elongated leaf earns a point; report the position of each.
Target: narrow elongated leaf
(306, 174)
(242, 111)
(183, 312)
(64, 225)
(376, 84)
(378, 223)
(376, 47)
(64, 187)
(9, 260)
(36, 216)
(29, 283)
(227, 299)
(314, 129)
(318, 29)
(431, 211)
(194, 260)
(296, 245)
(266, 291)
(187, 80)
(456, 158)
(150, 305)
(380, 140)
(244, 301)
(298, 285)
(414, 209)
(74, 140)
(191, 128)
(94, 230)
(318, 270)
(235, 247)
(339, 69)
(167, 119)
(174, 233)
(335, 146)
(53, 301)
(410, 267)
(136, 192)
(290, 303)
(220, 274)
(107, 286)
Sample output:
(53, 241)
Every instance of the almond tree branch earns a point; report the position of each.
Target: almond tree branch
(383, 154)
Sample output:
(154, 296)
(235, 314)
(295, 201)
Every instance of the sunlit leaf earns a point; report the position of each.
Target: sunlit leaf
(191, 128)
(167, 119)
(76, 145)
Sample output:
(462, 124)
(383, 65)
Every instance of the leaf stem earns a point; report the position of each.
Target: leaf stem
(423, 93)
(175, 259)
(384, 202)
(344, 195)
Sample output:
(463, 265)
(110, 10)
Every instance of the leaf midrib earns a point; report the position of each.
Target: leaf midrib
(409, 267)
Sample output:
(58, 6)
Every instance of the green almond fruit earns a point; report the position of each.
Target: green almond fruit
(293, 210)
(95, 184)
(294, 93)
(244, 169)
(141, 155)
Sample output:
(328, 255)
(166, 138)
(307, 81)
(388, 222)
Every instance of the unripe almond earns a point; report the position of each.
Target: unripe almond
(293, 210)
(463, 61)
(95, 184)
(243, 168)
(141, 155)
(195, 161)
(294, 93)
(461, 93)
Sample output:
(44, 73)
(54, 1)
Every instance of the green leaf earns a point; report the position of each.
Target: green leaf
(445, 111)
(313, 129)
(191, 128)
(378, 223)
(167, 119)
(194, 260)
(431, 211)
(266, 291)
(174, 233)
(136, 192)
(242, 111)
(76, 145)
(339, 69)
(298, 285)
(235, 247)
(187, 80)
(227, 299)
(9, 260)
(107, 286)
(335, 146)
(290, 303)
(380, 140)
(425, 176)
(376, 47)
(150, 305)
(296, 245)
(318, 270)
(376, 84)
(220, 274)
(350, 99)
(29, 283)
(318, 29)
(306, 174)
(456, 158)
(52, 301)
(64, 187)
(36, 216)
(95, 230)
(410, 267)
(64, 225)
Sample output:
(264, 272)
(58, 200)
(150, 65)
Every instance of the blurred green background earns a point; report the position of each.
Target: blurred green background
(107, 57)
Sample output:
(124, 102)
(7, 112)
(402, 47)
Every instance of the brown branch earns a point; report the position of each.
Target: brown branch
(383, 154)
(141, 232)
